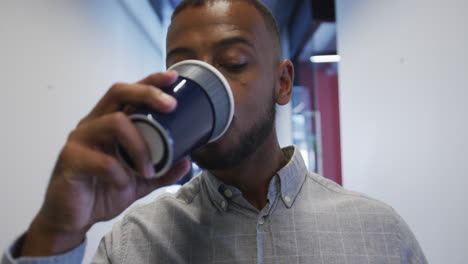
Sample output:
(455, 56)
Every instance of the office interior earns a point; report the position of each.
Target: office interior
(378, 106)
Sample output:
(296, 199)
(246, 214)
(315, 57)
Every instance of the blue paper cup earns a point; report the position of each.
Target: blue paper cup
(205, 107)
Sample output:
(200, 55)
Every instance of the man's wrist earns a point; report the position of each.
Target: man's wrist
(41, 240)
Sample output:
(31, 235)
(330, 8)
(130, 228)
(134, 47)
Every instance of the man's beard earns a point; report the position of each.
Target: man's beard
(247, 143)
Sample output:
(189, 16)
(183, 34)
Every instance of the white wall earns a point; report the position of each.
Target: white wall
(403, 99)
(57, 58)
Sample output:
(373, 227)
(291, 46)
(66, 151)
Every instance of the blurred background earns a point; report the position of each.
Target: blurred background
(379, 103)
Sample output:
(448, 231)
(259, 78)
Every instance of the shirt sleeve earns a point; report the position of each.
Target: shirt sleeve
(410, 250)
(74, 256)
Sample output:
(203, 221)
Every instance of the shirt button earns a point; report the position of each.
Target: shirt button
(228, 193)
(223, 204)
(287, 199)
(261, 220)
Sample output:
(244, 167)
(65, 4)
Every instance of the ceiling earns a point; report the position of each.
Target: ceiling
(302, 19)
(307, 26)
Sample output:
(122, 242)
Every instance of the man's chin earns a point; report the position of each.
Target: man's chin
(211, 156)
(218, 146)
(234, 148)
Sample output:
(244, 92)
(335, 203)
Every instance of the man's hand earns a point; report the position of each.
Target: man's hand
(90, 183)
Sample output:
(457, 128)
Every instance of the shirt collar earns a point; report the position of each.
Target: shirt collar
(291, 177)
(213, 185)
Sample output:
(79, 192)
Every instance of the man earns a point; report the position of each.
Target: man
(253, 203)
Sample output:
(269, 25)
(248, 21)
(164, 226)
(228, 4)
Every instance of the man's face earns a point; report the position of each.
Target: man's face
(233, 37)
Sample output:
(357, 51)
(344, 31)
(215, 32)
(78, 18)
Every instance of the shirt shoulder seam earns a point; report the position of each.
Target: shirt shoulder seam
(339, 189)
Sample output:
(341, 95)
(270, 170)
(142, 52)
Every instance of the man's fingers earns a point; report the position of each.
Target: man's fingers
(174, 174)
(122, 94)
(161, 79)
(87, 163)
(107, 131)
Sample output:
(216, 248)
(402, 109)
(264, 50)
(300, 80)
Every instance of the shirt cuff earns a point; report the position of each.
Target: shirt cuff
(71, 257)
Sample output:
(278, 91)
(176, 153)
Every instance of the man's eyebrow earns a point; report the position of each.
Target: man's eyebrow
(181, 50)
(232, 41)
(220, 44)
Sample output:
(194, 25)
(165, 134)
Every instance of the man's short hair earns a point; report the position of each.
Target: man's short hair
(268, 17)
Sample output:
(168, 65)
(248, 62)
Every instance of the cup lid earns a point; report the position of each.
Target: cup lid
(217, 88)
(157, 141)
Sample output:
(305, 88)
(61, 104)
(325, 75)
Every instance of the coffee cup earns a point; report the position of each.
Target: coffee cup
(205, 108)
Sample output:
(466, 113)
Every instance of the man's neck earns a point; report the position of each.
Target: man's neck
(253, 176)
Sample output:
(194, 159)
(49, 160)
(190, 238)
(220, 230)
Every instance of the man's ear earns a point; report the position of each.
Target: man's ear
(285, 82)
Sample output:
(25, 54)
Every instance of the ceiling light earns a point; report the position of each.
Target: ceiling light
(325, 58)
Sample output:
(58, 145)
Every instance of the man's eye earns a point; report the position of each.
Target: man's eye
(234, 67)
